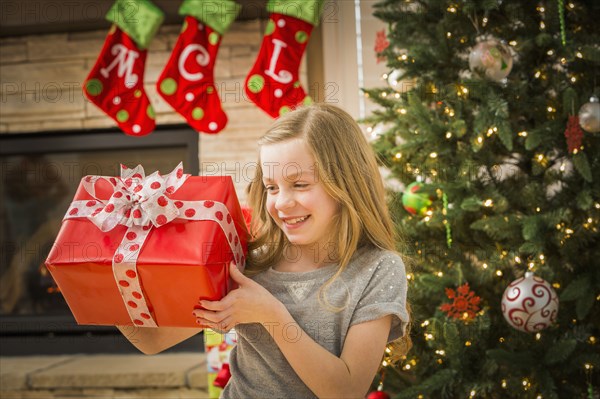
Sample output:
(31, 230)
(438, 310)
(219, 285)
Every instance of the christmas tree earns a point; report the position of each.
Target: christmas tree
(490, 127)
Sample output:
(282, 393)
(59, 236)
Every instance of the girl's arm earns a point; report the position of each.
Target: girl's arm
(328, 376)
(151, 341)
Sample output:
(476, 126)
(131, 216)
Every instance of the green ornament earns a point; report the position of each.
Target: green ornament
(150, 112)
(415, 201)
(284, 110)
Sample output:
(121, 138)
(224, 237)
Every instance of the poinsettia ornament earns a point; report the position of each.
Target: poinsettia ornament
(465, 304)
(381, 43)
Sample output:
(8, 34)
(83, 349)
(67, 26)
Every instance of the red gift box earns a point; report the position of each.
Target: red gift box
(143, 250)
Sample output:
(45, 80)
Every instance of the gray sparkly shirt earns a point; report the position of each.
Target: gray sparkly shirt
(372, 286)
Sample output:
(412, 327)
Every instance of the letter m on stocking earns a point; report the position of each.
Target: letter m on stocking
(125, 60)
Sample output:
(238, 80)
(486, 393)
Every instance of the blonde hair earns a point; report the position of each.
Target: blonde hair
(347, 167)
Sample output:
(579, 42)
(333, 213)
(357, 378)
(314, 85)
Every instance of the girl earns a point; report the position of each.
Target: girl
(324, 291)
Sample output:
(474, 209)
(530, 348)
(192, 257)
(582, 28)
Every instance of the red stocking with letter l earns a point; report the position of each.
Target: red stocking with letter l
(116, 82)
(273, 83)
(187, 81)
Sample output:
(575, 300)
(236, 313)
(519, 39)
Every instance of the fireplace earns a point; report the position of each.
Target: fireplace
(40, 173)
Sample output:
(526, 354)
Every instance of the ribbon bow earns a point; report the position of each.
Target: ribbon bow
(137, 199)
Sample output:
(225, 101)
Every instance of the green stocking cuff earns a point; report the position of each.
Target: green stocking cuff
(140, 19)
(218, 14)
(306, 10)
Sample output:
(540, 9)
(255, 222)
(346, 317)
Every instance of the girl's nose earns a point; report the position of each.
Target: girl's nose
(284, 200)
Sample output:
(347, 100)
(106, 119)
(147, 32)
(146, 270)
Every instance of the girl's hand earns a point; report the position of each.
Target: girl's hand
(249, 303)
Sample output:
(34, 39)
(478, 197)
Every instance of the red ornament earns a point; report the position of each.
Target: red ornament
(378, 395)
(381, 43)
(574, 134)
(465, 303)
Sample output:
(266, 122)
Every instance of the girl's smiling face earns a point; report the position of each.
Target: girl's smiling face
(296, 199)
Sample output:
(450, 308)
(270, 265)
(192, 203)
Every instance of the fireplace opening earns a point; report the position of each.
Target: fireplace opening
(40, 174)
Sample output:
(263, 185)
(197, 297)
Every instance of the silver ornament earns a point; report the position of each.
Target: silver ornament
(589, 116)
(400, 85)
(530, 304)
(491, 58)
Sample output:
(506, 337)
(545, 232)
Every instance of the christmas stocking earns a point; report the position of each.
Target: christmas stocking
(116, 83)
(187, 82)
(273, 81)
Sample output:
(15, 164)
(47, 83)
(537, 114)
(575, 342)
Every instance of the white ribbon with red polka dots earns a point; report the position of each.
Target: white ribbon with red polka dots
(140, 203)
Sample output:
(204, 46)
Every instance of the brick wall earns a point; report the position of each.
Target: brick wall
(40, 91)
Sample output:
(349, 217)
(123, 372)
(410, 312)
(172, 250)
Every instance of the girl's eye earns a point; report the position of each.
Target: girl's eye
(300, 185)
(270, 188)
